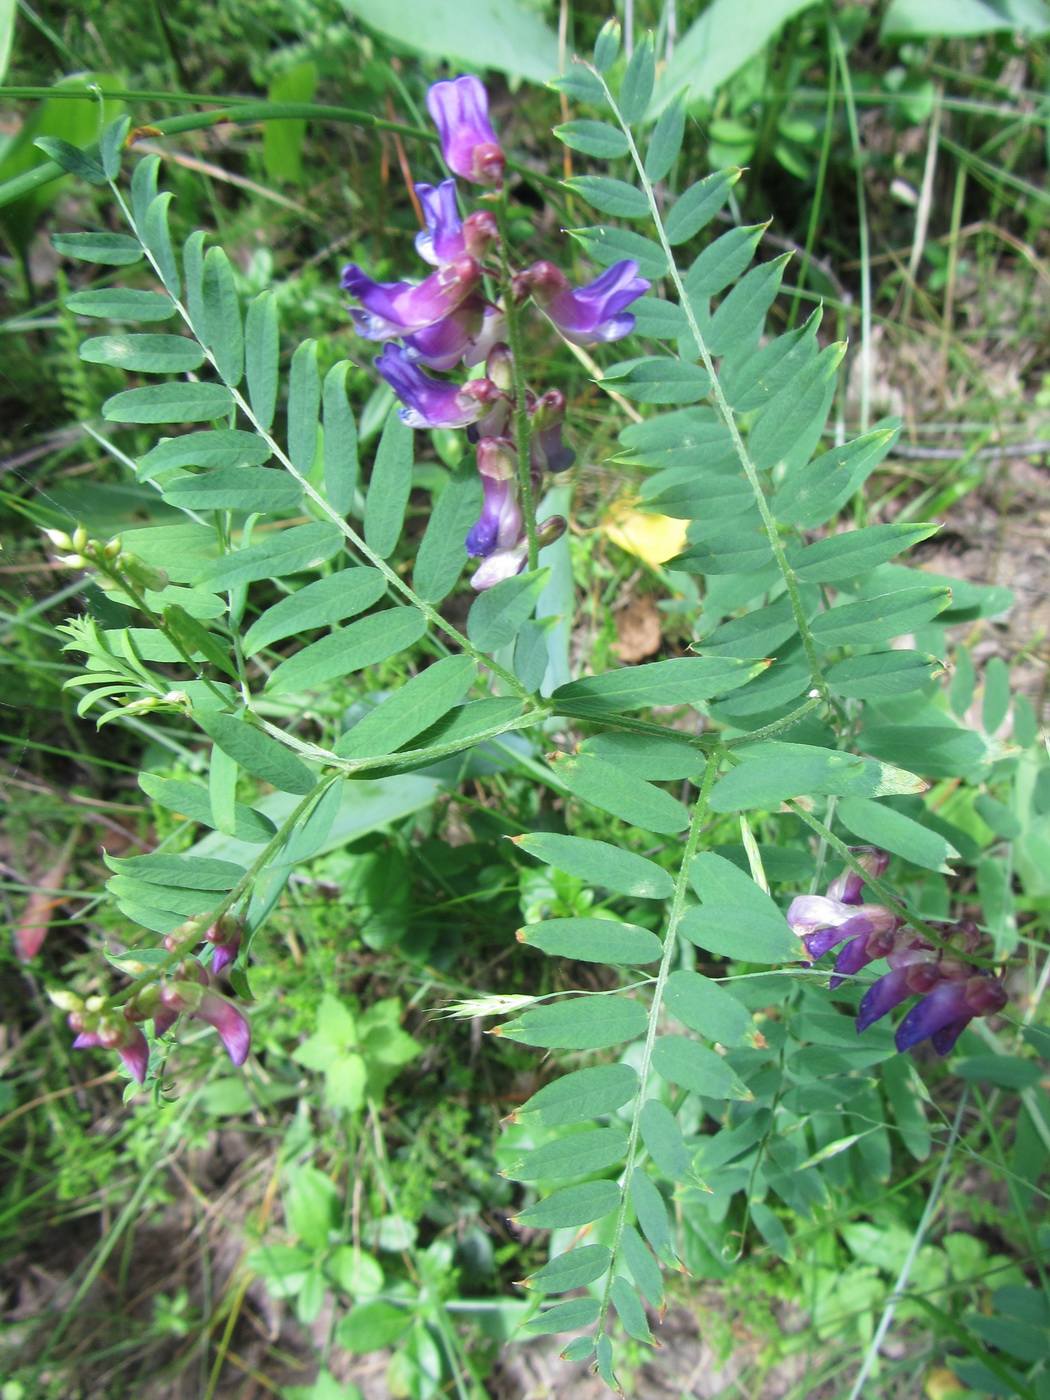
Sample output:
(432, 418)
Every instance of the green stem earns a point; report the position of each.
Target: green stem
(522, 424)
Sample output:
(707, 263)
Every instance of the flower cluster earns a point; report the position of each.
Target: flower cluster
(952, 990)
(447, 320)
(185, 991)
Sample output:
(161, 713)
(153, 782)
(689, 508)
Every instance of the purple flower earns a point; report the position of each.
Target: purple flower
(466, 334)
(400, 308)
(191, 1000)
(917, 978)
(850, 883)
(226, 938)
(822, 923)
(593, 312)
(502, 524)
(446, 237)
(946, 1011)
(128, 1041)
(431, 403)
(547, 452)
(500, 564)
(460, 111)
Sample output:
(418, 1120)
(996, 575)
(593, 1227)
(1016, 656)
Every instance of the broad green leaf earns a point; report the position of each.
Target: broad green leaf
(410, 709)
(898, 1082)
(711, 1011)
(580, 1096)
(657, 319)
(108, 249)
(698, 205)
(615, 197)
(579, 1023)
(644, 1270)
(223, 329)
(372, 1326)
(192, 801)
(618, 870)
(664, 1142)
(498, 613)
(355, 1271)
(186, 871)
(637, 86)
(659, 379)
(790, 425)
(882, 674)
(304, 404)
(908, 19)
(592, 940)
(341, 469)
(720, 42)
(651, 1210)
(257, 753)
(156, 236)
(854, 552)
(169, 403)
(684, 680)
(593, 138)
(443, 552)
(262, 345)
(893, 831)
(696, 1068)
(283, 140)
(722, 261)
(739, 321)
(320, 604)
(389, 486)
(996, 702)
(564, 1317)
(574, 1269)
(603, 1351)
(122, 304)
(665, 143)
(577, 1155)
(222, 447)
(880, 618)
(149, 354)
(631, 799)
(188, 904)
(688, 438)
(611, 245)
(745, 935)
(290, 552)
(757, 634)
(572, 1206)
(532, 652)
(348, 649)
(649, 756)
(817, 490)
(144, 187)
(252, 489)
(783, 683)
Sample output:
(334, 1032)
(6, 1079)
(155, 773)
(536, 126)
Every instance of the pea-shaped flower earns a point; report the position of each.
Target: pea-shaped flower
(593, 312)
(460, 111)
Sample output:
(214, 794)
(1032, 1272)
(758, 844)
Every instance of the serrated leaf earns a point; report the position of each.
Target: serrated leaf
(593, 138)
(410, 709)
(348, 649)
(722, 261)
(893, 831)
(574, 1269)
(169, 403)
(817, 490)
(122, 304)
(290, 552)
(614, 197)
(696, 1068)
(684, 680)
(304, 405)
(880, 618)
(882, 674)
(261, 355)
(576, 1155)
(581, 1096)
(664, 1142)
(156, 236)
(593, 940)
(257, 753)
(659, 379)
(564, 1317)
(220, 447)
(579, 1023)
(389, 486)
(192, 801)
(620, 871)
(711, 1011)
(631, 799)
(637, 86)
(611, 245)
(497, 614)
(261, 490)
(223, 330)
(341, 468)
(698, 205)
(572, 1206)
(108, 249)
(666, 141)
(443, 552)
(150, 354)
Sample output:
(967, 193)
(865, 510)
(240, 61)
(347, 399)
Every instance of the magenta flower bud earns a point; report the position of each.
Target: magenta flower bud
(849, 884)
(226, 937)
(390, 309)
(231, 1025)
(590, 313)
(822, 923)
(547, 452)
(431, 403)
(460, 111)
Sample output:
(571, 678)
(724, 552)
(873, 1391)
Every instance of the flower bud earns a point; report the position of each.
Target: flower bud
(80, 539)
(59, 539)
(65, 1000)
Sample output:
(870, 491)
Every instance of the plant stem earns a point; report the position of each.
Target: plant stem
(522, 424)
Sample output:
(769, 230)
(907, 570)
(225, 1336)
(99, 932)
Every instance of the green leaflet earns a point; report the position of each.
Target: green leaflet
(264, 490)
(611, 245)
(637, 86)
(698, 205)
(319, 604)
(757, 634)
(664, 1142)
(186, 903)
(629, 1307)
(643, 1266)
(155, 234)
(348, 649)
(371, 1326)
(694, 1067)
(722, 261)
(593, 138)
(854, 552)
(750, 377)
(223, 329)
(730, 552)
(122, 304)
(192, 801)
(649, 756)
(880, 618)
(580, 1096)
(341, 469)
(882, 674)
(615, 869)
(572, 1206)
(698, 497)
(497, 615)
(574, 1269)
(442, 551)
(304, 405)
(109, 249)
(389, 486)
(657, 319)
(410, 709)
(592, 1150)
(789, 427)
(651, 1210)
(711, 1011)
(464, 724)
(615, 197)
(169, 403)
(771, 772)
(659, 379)
(893, 831)
(736, 919)
(738, 323)
(665, 143)
(290, 552)
(262, 347)
(683, 680)
(580, 1023)
(222, 447)
(148, 354)
(593, 940)
(631, 799)
(816, 490)
(579, 82)
(564, 1317)
(257, 753)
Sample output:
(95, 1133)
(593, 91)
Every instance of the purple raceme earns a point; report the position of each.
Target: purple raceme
(595, 312)
(460, 111)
